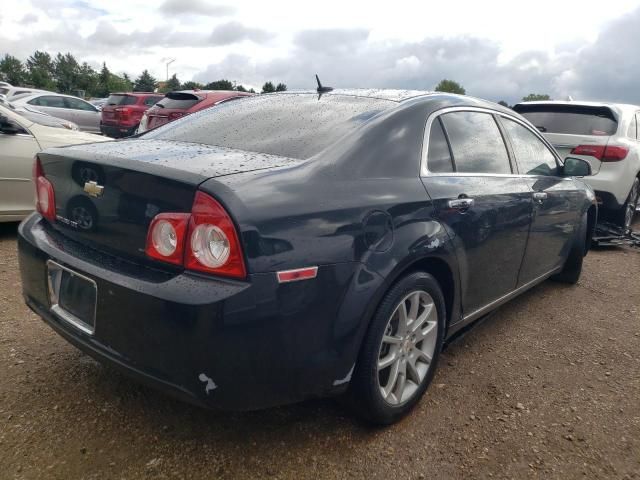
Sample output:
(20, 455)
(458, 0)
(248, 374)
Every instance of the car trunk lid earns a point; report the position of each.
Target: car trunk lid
(107, 194)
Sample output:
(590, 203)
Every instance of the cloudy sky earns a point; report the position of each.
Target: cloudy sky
(497, 50)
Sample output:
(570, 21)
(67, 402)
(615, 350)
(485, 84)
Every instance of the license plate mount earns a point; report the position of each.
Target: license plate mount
(73, 297)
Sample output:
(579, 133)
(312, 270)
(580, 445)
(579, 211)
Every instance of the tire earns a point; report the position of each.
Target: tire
(624, 216)
(410, 349)
(572, 268)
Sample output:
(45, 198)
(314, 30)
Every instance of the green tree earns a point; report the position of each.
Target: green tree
(533, 97)
(281, 87)
(450, 86)
(12, 70)
(41, 70)
(219, 85)
(240, 88)
(172, 84)
(144, 83)
(503, 103)
(67, 71)
(251, 90)
(268, 88)
(191, 85)
(87, 80)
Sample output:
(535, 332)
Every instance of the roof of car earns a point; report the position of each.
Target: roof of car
(133, 94)
(392, 95)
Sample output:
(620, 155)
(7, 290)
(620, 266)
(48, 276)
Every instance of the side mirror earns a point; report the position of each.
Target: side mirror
(8, 127)
(576, 167)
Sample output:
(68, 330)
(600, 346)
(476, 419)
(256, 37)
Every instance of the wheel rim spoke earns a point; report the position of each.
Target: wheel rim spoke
(387, 361)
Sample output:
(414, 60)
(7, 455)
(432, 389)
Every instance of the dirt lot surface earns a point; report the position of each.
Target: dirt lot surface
(548, 387)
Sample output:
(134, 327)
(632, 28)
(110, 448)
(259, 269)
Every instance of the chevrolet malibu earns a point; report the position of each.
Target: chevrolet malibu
(299, 245)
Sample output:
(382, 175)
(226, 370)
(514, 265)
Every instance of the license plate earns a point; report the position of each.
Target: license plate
(73, 297)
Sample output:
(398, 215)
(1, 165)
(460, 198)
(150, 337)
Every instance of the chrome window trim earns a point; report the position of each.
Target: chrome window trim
(424, 170)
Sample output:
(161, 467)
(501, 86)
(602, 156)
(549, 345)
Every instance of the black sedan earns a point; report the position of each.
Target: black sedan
(291, 246)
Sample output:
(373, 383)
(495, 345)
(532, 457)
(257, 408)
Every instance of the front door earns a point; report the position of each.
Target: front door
(485, 207)
(16, 163)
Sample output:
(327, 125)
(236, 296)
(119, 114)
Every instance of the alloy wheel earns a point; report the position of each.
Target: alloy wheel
(407, 347)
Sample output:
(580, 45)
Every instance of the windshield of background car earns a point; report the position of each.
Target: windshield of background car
(121, 100)
(291, 125)
(570, 119)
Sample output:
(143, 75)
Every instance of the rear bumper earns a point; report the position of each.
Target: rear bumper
(259, 342)
(117, 131)
(612, 183)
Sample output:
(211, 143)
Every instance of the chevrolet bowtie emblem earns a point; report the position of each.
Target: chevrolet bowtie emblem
(93, 189)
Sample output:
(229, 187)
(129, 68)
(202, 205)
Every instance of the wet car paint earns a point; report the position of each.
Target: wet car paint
(359, 210)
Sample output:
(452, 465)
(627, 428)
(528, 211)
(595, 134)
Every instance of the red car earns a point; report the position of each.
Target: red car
(122, 113)
(178, 104)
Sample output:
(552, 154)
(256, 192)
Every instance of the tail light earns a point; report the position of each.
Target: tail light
(204, 240)
(609, 153)
(45, 197)
(123, 112)
(175, 115)
(165, 239)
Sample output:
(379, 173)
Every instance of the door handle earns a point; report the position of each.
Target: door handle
(539, 196)
(461, 204)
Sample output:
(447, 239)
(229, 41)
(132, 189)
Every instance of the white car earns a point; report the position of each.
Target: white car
(10, 91)
(74, 109)
(20, 139)
(607, 135)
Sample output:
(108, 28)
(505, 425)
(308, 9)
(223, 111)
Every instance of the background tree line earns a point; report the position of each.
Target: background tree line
(64, 74)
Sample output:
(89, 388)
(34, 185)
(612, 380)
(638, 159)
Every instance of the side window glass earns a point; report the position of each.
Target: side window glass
(632, 132)
(438, 156)
(476, 143)
(150, 101)
(56, 102)
(532, 155)
(35, 101)
(77, 104)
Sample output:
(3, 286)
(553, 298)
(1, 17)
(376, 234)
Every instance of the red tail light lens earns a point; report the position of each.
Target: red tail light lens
(166, 237)
(45, 197)
(614, 153)
(204, 240)
(123, 112)
(175, 115)
(214, 246)
(609, 153)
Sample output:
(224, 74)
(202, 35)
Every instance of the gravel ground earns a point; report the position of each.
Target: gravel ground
(547, 387)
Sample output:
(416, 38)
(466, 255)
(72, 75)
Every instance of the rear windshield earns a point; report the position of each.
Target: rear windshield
(570, 119)
(121, 100)
(3, 90)
(179, 100)
(291, 125)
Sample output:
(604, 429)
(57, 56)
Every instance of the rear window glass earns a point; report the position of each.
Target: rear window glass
(291, 125)
(182, 101)
(4, 91)
(121, 100)
(570, 119)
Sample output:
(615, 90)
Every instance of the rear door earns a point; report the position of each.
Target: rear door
(556, 202)
(483, 203)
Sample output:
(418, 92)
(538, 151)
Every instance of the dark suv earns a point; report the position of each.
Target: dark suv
(122, 113)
